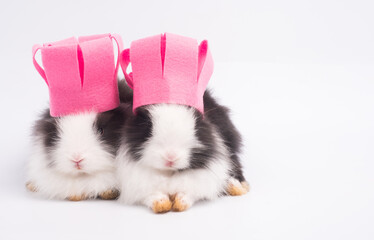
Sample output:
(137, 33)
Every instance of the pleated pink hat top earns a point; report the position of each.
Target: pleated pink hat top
(81, 73)
(168, 68)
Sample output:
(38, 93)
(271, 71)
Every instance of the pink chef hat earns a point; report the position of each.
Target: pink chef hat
(81, 74)
(168, 68)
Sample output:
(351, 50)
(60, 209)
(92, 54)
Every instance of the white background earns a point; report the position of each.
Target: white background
(298, 76)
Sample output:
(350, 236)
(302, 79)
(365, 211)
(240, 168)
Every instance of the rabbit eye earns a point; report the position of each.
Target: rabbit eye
(100, 131)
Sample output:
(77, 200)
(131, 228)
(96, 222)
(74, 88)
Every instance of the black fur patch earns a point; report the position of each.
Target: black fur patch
(219, 116)
(203, 155)
(125, 92)
(46, 128)
(108, 126)
(138, 131)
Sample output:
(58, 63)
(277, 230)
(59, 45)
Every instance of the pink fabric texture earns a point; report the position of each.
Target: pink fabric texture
(81, 74)
(168, 68)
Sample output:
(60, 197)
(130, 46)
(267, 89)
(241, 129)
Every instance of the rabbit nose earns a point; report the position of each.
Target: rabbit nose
(169, 163)
(77, 164)
(170, 158)
(77, 158)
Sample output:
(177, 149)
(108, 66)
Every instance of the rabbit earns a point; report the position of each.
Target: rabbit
(172, 156)
(73, 156)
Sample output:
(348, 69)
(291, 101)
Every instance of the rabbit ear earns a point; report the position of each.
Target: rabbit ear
(124, 60)
(40, 70)
(205, 64)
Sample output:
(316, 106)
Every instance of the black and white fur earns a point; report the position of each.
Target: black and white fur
(73, 156)
(173, 150)
(125, 92)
